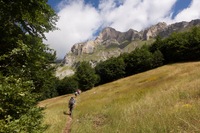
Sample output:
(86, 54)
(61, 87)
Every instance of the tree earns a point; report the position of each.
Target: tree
(194, 41)
(86, 76)
(183, 46)
(67, 85)
(156, 45)
(26, 17)
(139, 60)
(25, 68)
(157, 59)
(22, 52)
(111, 69)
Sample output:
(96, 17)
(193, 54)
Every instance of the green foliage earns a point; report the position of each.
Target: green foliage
(86, 76)
(18, 112)
(110, 70)
(157, 59)
(26, 17)
(67, 85)
(156, 45)
(141, 59)
(31, 60)
(183, 46)
(39, 68)
(30, 122)
(23, 54)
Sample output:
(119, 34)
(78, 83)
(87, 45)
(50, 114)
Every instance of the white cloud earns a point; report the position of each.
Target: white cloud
(190, 13)
(79, 21)
(135, 14)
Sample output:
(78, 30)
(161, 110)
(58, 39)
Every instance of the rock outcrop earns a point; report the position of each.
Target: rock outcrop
(86, 47)
(154, 30)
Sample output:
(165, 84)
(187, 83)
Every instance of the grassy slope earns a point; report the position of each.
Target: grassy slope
(163, 100)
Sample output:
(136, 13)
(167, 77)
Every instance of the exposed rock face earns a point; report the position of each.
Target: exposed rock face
(111, 34)
(110, 38)
(107, 37)
(69, 59)
(86, 47)
(176, 27)
(153, 31)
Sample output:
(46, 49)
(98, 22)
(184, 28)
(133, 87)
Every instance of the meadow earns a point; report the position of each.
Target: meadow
(162, 100)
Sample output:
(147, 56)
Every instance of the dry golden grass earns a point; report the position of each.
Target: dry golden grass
(55, 113)
(163, 100)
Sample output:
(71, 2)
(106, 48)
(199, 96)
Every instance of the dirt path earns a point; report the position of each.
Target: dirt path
(68, 125)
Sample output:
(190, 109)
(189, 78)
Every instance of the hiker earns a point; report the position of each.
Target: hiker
(71, 105)
(76, 93)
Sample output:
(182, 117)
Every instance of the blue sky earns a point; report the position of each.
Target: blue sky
(80, 20)
(179, 6)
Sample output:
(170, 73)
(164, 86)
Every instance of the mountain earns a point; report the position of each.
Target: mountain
(111, 43)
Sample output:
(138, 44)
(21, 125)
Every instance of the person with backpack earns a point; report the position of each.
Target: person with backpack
(71, 105)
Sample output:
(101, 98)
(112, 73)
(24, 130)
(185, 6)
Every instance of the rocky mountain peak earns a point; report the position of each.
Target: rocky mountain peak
(108, 33)
(111, 38)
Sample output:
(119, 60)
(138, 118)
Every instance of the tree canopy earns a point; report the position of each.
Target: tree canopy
(182, 46)
(85, 75)
(25, 63)
(110, 70)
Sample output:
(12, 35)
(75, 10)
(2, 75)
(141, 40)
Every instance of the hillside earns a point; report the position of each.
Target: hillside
(162, 100)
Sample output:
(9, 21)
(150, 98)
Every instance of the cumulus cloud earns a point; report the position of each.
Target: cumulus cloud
(135, 14)
(190, 13)
(79, 21)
